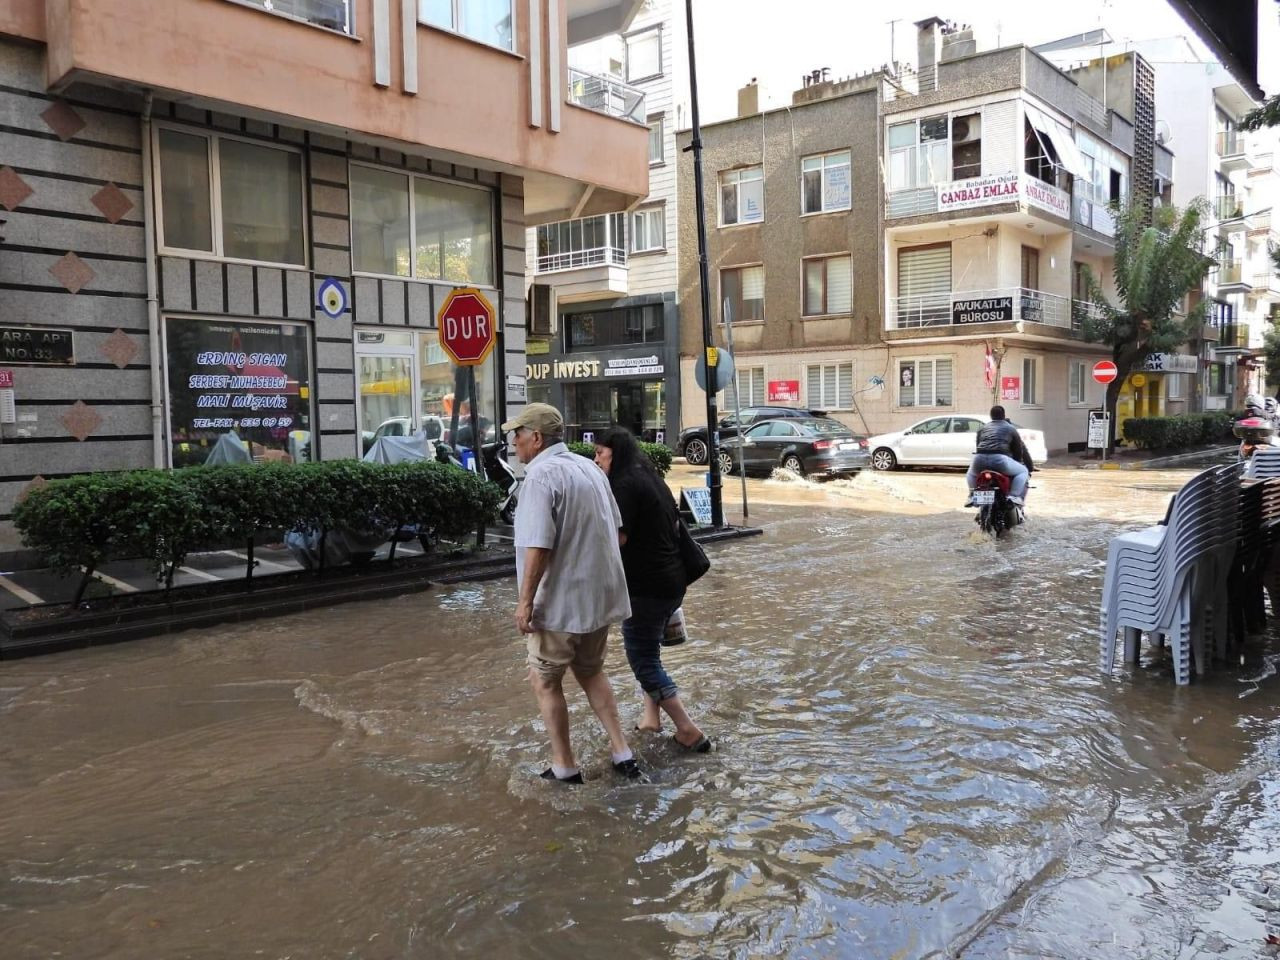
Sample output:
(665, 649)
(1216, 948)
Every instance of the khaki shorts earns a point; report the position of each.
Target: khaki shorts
(551, 652)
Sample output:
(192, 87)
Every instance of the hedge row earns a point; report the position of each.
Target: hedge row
(1183, 430)
(659, 455)
(77, 523)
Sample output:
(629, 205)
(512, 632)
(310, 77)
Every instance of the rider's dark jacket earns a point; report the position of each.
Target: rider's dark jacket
(1001, 436)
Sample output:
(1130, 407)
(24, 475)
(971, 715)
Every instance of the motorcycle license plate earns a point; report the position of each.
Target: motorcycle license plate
(983, 497)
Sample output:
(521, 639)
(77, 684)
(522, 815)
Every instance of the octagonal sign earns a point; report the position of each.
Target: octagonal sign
(466, 326)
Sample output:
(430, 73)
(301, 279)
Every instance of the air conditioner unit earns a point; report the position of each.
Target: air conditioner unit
(966, 129)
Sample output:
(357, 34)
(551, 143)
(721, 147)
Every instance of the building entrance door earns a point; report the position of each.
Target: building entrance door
(386, 385)
(628, 407)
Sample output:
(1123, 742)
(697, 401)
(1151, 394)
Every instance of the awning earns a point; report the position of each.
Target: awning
(1060, 137)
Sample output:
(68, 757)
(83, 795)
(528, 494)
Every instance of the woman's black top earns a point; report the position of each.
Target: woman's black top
(651, 555)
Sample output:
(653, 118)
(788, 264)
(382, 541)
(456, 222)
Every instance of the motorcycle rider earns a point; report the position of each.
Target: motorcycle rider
(999, 448)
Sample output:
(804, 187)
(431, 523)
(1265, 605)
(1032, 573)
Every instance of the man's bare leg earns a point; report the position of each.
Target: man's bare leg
(555, 714)
(600, 695)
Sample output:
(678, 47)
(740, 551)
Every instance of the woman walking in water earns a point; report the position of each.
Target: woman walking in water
(655, 577)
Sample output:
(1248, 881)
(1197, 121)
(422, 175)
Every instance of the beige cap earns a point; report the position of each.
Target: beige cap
(540, 417)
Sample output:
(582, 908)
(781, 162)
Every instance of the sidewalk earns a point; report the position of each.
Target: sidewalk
(1126, 459)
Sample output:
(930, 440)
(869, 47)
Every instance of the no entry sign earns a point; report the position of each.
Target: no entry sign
(1104, 371)
(466, 322)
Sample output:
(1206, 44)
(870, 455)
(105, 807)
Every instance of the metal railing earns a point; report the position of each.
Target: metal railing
(606, 95)
(1229, 143)
(1266, 280)
(1082, 310)
(1090, 108)
(1232, 273)
(1228, 206)
(585, 242)
(332, 14)
(1233, 336)
(973, 307)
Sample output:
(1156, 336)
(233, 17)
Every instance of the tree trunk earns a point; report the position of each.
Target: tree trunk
(1125, 356)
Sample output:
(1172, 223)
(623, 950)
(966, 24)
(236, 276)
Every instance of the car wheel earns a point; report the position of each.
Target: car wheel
(883, 459)
(726, 462)
(695, 451)
(792, 464)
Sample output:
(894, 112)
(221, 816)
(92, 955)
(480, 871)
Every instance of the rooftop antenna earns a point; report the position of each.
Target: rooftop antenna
(893, 46)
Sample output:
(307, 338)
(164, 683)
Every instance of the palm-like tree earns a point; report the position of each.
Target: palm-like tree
(1159, 260)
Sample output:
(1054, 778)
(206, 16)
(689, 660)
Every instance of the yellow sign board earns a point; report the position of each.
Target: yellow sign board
(712, 355)
(1138, 380)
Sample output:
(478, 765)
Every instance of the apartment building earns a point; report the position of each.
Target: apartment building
(230, 223)
(917, 228)
(604, 318)
(1198, 109)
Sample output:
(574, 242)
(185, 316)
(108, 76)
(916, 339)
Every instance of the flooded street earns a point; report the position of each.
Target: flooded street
(916, 757)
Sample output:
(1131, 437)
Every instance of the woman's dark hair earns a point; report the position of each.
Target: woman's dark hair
(628, 457)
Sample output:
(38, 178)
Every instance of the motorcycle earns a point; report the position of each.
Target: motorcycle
(1254, 432)
(996, 512)
(500, 471)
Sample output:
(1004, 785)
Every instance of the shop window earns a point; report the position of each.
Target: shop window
(828, 286)
(1077, 382)
(657, 145)
(741, 196)
(644, 55)
(825, 183)
(743, 288)
(829, 386)
(444, 388)
(1031, 382)
(238, 392)
(925, 382)
(1175, 386)
(614, 327)
(648, 230)
(409, 226)
(258, 214)
(489, 21)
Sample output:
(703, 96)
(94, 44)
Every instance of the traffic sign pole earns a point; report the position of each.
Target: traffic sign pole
(1104, 372)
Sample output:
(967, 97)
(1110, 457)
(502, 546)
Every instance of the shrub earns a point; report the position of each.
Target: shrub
(160, 516)
(658, 454)
(1177, 432)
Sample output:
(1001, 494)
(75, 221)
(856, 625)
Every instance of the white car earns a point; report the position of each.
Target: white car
(941, 442)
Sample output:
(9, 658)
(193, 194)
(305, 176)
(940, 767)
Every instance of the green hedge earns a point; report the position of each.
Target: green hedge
(659, 455)
(160, 516)
(1183, 430)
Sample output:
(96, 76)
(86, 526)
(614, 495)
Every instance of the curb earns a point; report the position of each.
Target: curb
(1158, 463)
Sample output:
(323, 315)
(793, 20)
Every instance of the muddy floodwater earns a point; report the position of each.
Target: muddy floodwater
(916, 757)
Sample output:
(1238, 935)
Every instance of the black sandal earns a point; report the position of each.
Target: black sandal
(702, 746)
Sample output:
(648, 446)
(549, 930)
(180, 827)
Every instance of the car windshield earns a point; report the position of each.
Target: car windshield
(825, 428)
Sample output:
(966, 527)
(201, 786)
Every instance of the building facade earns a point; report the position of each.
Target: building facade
(605, 321)
(248, 248)
(924, 238)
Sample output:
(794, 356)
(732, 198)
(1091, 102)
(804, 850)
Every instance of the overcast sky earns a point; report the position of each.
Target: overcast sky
(778, 41)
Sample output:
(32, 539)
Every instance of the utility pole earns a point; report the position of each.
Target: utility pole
(710, 353)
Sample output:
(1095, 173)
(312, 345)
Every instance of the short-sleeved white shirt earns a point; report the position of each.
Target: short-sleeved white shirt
(566, 506)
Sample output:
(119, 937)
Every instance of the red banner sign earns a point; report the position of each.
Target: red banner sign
(1010, 388)
(784, 390)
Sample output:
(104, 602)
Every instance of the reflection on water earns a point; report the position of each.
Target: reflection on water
(917, 757)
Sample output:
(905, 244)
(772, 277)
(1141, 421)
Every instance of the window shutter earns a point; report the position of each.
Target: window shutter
(924, 383)
(999, 145)
(813, 389)
(839, 285)
(813, 288)
(942, 383)
(757, 386)
(753, 283)
(844, 388)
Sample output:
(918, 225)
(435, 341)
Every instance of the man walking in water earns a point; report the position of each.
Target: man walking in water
(572, 585)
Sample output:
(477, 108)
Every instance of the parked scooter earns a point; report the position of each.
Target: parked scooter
(996, 512)
(499, 471)
(1257, 427)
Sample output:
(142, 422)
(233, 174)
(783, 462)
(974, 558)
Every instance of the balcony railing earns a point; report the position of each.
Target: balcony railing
(971, 307)
(1231, 273)
(333, 14)
(1229, 143)
(1233, 336)
(1228, 206)
(1266, 282)
(606, 95)
(585, 242)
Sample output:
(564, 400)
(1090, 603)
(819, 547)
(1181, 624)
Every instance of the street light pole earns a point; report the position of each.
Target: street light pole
(710, 353)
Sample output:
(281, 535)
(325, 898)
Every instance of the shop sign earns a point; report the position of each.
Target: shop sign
(516, 388)
(1170, 363)
(1010, 388)
(781, 391)
(633, 366)
(251, 378)
(537, 348)
(6, 379)
(37, 345)
(1047, 197)
(985, 310)
(697, 501)
(1099, 429)
(978, 192)
(563, 369)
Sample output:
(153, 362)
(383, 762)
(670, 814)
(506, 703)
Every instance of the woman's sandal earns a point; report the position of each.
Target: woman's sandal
(702, 746)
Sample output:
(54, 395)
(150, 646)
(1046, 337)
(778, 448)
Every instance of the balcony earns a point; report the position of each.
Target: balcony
(586, 258)
(963, 308)
(1232, 277)
(916, 196)
(1266, 285)
(330, 14)
(1228, 209)
(607, 95)
(1230, 149)
(1233, 338)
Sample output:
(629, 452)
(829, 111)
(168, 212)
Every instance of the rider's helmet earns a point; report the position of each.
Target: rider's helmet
(1269, 405)
(1254, 402)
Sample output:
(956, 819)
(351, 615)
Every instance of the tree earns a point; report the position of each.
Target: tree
(1159, 260)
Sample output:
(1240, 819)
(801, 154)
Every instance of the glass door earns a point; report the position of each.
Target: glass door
(385, 386)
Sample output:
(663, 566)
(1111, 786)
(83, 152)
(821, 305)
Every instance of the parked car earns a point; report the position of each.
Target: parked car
(692, 444)
(811, 445)
(941, 442)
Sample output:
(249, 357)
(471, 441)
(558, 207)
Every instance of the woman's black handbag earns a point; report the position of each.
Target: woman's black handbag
(692, 555)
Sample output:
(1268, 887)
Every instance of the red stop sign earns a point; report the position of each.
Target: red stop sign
(466, 327)
(1104, 371)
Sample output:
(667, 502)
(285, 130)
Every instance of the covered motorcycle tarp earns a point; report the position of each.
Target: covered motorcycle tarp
(228, 448)
(401, 449)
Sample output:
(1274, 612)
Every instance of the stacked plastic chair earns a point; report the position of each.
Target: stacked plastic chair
(1170, 580)
(1264, 463)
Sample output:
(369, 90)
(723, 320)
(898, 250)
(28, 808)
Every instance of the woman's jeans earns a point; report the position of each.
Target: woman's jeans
(642, 638)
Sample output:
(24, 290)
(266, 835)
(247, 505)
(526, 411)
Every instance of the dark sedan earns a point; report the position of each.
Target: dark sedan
(692, 444)
(810, 446)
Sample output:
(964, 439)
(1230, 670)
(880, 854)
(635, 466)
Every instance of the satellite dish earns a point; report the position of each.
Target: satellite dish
(1164, 134)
